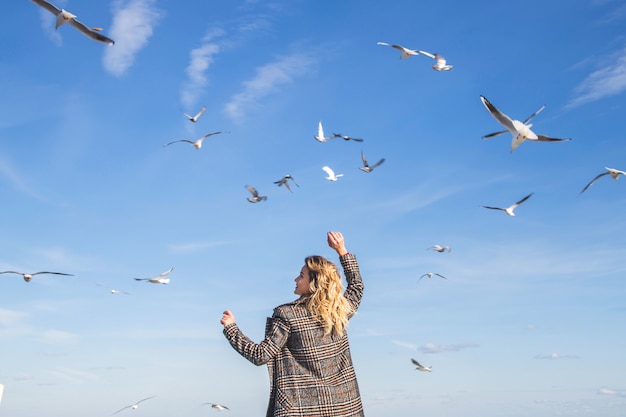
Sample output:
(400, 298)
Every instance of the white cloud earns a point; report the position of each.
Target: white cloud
(200, 60)
(132, 26)
(433, 348)
(57, 337)
(266, 81)
(605, 82)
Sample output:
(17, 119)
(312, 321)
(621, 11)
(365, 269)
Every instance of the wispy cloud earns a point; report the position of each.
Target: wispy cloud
(555, 356)
(132, 27)
(433, 348)
(605, 82)
(266, 81)
(200, 59)
(56, 337)
(11, 174)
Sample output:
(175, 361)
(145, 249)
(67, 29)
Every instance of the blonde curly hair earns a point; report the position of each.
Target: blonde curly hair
(326, 301)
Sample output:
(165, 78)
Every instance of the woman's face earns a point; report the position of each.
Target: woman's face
(303, 284)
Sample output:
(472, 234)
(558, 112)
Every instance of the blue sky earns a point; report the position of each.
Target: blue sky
(530, 321)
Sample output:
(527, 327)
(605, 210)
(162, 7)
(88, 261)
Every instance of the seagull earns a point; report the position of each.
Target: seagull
(112, 290)
(160, 279)
(406, 52)
(133, 407)
(344, 137)
(609, 171)
(519, 130)
(441, 61)
(509, 210)
(528, 119)
(218, 407)
(195, 117)
(440, 248)
(255, 195)
(421, 367)
(366, 167)
(198, 143)
(284, 181)
(28, 277)
(320, 134)
(63, 17)
(331, 174)
(430, 275)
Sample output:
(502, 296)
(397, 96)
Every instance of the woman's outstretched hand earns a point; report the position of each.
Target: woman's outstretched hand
(335, 241)
(227, 318)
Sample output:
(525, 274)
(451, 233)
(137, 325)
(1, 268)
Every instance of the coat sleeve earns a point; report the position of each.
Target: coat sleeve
(354, 291)
(276, 335)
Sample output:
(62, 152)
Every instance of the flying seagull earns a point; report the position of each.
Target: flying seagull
(344, 137)
(63, 16)
(320, 134)
(198, 143)
(255, 195)
(615, 173)
(526, 122)
(406, 52)
(195, 117)
(331, 174)
(366, 167)
(218, 407)
(421, 367)
(440, 64)
(285, 181)
(440, 248)
(112, 290)
(519, 130)
(430, 275)
(160, 279)
(28, 277)
(509, 210)
(133, 406)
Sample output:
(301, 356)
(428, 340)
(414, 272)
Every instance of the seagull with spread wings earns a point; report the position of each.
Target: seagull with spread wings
(320, 134)
(369, 168)
(27, 277)
(255, 195)
(440, 64)
(614, 173)
(331, 174)
(430, 275)
(159, 279)
(346, 137)
(510, 210)
(132, 406)
(198, 143)
(526, 122)
(421, 367)
(285, 181)
(218, 407)
(406, 52)
(196, 116)
(440, 248)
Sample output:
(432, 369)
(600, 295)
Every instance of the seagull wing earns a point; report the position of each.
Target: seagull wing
(416, 363)
(378, 163)
(91, 33)
(122, 409)
(594, 180)
(502, 118)
(54, 273)
(252, 190)
(529, 118)
(441, 276)
(48, 6)
(329, 171)
(521, 201)
(212, 133)
(377, 43)
(197, 115)
(364, 160)
(182, 140)
(12, 272)
(494, 134)
(428, 54)
(543, 138)
(143, 400)
(492, 208)
(163, 274)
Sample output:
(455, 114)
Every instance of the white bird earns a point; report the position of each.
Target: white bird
(112, 290)
(346, 138)
(440, 248)
(159, 279)
(615, 173)
(441, 61)
(331, 174)
(133, 406)
(198, 143)
(63, 17)
(28, 277)
(526, 122)
(195, 117)
(421, 367)
(519, 130)
(255, 195)
(406, 52)
(218, 407)
(430, 275)
(509, 210)
(366, 167)
(320, 134)
(285, 181)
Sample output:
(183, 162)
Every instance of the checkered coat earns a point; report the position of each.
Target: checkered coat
(311, 374)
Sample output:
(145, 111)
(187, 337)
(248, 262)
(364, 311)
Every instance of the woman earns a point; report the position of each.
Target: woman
(306, 345)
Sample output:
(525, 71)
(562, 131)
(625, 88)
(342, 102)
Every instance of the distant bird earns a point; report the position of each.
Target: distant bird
(198, 143)
(195, 117)
(331, 174)
(344, 137)
(320, 134)
(440, 248)
(160, 279)
(28, 277)
(421, 367)
(255, 195)
(366, 167)
(526, 122)
(63, 17)
(519, 130)
(441, 61)
(615, 173)
(1, 390)
(285, 181)
(112, 290)
(509, 210)
(218, 407)
(133, 406)
(406, 52)
(430, 275)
